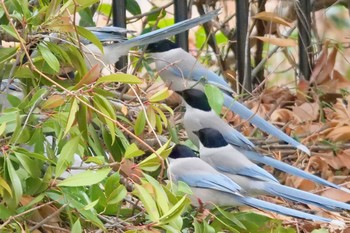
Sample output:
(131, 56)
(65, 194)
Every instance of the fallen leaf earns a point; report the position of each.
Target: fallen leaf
(307, 111)
(341, 133)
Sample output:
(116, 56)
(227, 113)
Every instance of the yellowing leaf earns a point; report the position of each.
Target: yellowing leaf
(271, 17)
(132, 151)
(89, 77)
(53, 102)
(120, 77)
(160, 95)
(5, 185)
(277, 41)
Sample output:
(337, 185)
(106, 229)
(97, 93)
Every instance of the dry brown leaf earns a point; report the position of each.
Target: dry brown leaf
(341, 133)
(131, 170)
(336, 194)
(272, 17)
(302, 90)
(303, 184)
(281, 42)
(320, 63)
(318, 164)
(307, 111)
(285, 115)
(325, 69)
(275, 95)
(309, 128)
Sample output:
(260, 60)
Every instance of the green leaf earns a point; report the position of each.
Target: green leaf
(215, 97)
(175, 211)
(86, 178)
(120, 77)
(72, 114)
(76, 228)
(106, 108)
(104, 8)
(90, 36)
(30, 165)
(160, 95)
(66, 156)
(132, 151)
(7, 53)
(231, 218)
(152, 162)
(49, 57)
(117, 195)
(148, 202)
(15, 181)
(133, 7)
(140, 123)
(9, 30)
(5, 186)
(91, 205)
(24, 72)
(161, 197)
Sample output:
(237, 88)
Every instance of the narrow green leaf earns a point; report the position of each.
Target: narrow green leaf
(15, 181)
(91, 205)
(104, 8)
(175, 211)
(76, 228)
(9, 30)
(160, 95)
(161, 197)
(90, 36)
(215, 97)
(49, 57)
(30, 165)
(7, 53)
(106, 108)
(120, 77)
(232, 219)
(72, 114)
(133, 151)
(86, 178)
(148, 202)
(117, 195)
(140, 123)
(66, 156)
(152, 162)
(24, 72)
(161, 114)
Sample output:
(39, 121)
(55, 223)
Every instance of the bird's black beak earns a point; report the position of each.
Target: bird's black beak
(195, 132)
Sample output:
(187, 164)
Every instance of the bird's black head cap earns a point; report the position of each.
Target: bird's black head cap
(211, 138)
(196, 99)
(181, 151)
(161, 46)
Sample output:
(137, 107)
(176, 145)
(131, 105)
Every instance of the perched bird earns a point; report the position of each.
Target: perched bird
(229, 161)
(180, 71)
(211, 187)
(112, 52)
(199, 115)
